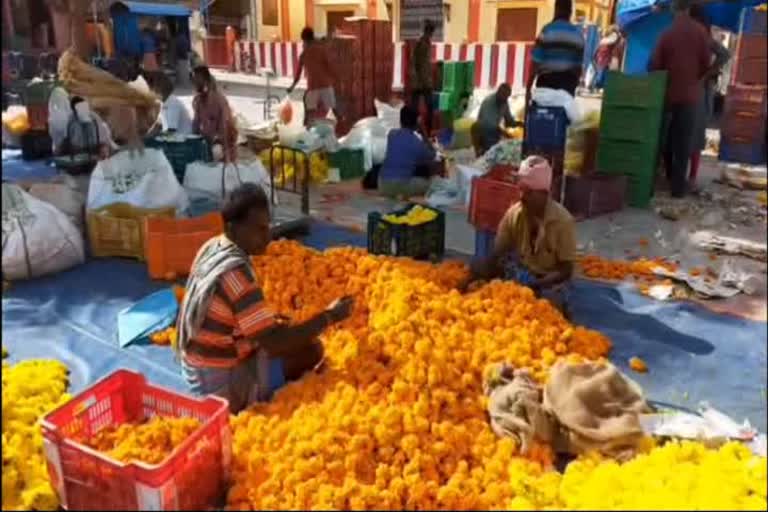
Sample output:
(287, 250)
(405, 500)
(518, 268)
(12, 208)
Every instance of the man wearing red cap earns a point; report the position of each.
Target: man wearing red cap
(536, 239)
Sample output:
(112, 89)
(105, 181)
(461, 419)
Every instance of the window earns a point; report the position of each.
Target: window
(269, 13)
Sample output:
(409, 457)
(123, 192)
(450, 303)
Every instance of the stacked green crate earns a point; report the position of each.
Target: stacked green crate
(630, 131)
(458, 80)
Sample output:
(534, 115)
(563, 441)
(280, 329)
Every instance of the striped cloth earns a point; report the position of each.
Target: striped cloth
(559, 47)
(223, 308)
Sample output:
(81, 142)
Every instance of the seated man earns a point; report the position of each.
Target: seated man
(229, 340)
(488, 129)
(536, 239)
(409, 161)
(86, 132)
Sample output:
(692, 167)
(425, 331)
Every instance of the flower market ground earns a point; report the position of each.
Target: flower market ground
(695, 351)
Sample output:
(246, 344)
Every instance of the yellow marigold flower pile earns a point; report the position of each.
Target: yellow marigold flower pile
(398, 417)
(150, 442)
(31, 389)
(676, 476)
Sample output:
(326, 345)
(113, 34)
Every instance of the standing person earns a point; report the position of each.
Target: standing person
(720, 55)
(230, 36)
(229, 339)
(604, 54)
(683, 51)
(182, 49)
(494, 110)
(320, 72)
(409, 161)
(174, 116)
(558, 54)
(149, 50)
(536, 239)
(421, 73)
(212, 116)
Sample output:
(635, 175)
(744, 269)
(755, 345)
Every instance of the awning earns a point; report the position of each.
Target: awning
(153, 9)
(722, 13)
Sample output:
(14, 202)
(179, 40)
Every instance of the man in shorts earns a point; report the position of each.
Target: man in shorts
(320, 97)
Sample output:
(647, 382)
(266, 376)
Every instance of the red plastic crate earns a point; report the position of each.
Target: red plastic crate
(492, 195)
(171, 245)
(749, 126)
(38, 116)
(752, 47)
(751, 71)
(193, 477)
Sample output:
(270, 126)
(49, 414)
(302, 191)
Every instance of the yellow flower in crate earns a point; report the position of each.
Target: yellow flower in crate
(415, 216)
(31, 389)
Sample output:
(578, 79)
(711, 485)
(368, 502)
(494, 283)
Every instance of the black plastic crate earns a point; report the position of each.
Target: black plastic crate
(180, 153)
(425, 241)
(36, 144)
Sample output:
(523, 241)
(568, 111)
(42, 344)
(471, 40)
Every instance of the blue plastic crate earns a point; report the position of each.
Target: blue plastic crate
(742, 153)
(483, 244)
(545, 127)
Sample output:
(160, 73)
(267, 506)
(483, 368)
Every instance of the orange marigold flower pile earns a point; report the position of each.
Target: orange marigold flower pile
(398, 418)
(150, 442)
(643, 268)
(167, 336)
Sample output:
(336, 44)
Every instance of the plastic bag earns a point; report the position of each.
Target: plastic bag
(216, 180)
(143, 179)
(285, 111)
(63, 193)
(387, 114)
(38, 239)
(443, 192)
(59, 111)
(325, 132)
(16, 120)
(558, 98)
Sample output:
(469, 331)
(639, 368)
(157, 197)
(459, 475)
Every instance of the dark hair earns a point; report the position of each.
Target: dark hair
(74, 100)
(698, 13)
(429, 27)
(409, 117)
(203, 72)
(563, 9)
(681, 5)
(307, 34)
(163, 85)
(241, 201)
(504, 87)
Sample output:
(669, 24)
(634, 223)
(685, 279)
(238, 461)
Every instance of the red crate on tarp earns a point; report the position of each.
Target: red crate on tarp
(38, 116)
(193, 477)
(492, 195)
(590, 196)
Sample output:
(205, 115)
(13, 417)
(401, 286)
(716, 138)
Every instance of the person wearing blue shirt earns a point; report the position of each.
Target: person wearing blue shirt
(558, 53)
(409, 160)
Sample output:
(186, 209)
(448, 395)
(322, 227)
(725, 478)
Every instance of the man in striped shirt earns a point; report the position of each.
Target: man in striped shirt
(558, 53)
(230, 342)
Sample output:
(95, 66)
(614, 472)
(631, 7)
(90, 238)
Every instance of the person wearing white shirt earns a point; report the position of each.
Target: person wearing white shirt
(174, 116)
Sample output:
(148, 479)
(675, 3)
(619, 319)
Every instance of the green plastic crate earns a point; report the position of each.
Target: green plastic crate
(181, 153)
(640, 190)
(454, 77)
(38, 93)
(631, 124)
(626, 157)
(349, 162)
(447, 101)
(639, 91)
(469, 73)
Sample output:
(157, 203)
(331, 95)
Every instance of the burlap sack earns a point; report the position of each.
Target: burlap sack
(596, 407)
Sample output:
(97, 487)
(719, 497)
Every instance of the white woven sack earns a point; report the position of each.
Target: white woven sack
(38, 239)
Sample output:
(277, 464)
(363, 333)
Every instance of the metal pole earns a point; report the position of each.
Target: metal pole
(96, 28)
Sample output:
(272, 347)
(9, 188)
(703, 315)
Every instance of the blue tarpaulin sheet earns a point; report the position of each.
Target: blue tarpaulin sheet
(723, 14)
(154, 9)
(692, 353)
(15, 169)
